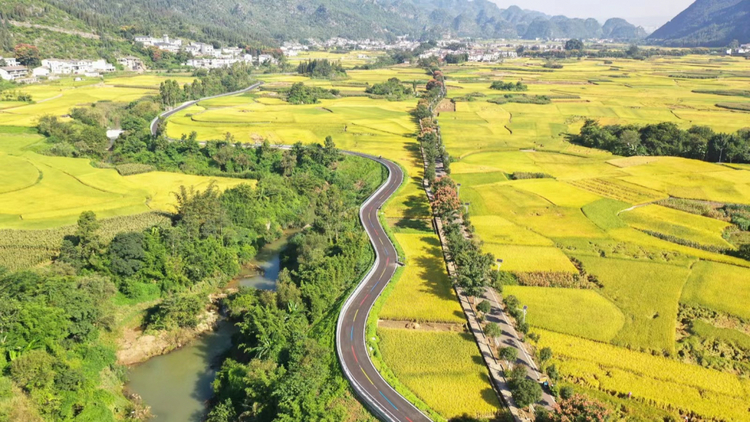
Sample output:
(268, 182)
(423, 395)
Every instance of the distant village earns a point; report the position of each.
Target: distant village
(206, 56)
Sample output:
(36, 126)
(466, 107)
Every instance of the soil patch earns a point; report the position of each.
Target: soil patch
(425, 326)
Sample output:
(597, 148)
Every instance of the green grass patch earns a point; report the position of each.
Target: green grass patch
(647, 293)
(604, 213)
(582, 313)
(721, 287)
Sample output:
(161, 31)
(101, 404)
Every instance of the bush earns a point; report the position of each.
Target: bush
(525, 176)
(133, 168)
(566, 392)
(176, 312)
(509, 86)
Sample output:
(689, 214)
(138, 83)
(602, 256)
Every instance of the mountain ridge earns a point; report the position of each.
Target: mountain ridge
(273, 21)
(708, 23)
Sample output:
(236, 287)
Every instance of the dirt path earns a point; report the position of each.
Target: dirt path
(426, 326)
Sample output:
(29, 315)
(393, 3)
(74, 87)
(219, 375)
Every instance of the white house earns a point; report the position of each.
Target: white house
(266, 58)
(40, 71)
(9, 61)
(68, 67)
(131, 63)
(163, 43)
(12, 73)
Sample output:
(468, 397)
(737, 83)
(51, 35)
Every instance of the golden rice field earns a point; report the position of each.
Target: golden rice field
(656, 381)
(424, 291)
(41, 192)
(721, 287)
(53, 191)
(598, 208)
(443, 369)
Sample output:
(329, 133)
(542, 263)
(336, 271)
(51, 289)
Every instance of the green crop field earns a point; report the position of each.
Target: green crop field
(597, 207)
(443, 369)
(721, 287)
(583, 313)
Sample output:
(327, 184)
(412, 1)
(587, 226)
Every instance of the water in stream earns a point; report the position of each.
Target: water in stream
(178, 385)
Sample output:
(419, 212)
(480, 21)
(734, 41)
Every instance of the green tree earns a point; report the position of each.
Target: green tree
(545, 354)
(33, 370)
(493, 331)
(484, 307)
(126, 254)
(28, 55)
(509, 354)
(573, 44)
(526, 392)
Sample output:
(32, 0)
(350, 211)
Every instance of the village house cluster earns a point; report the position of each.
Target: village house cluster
(743, 50)
(11, 70)
(205, 56)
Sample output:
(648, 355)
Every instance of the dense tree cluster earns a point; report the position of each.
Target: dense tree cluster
(456, 58)
(85, 135)
(509, 86)
(667, 139)
(573, 44)
(207, 83)
(393, 88)
(51, 322)
(300, 93)
(322, 69)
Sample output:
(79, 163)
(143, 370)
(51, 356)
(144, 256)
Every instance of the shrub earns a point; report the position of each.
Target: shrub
(509, 86)
(133, 168)
(525, 175)
(176, 312)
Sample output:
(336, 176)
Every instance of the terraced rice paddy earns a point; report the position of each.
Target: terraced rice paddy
(599, 208)
(40, 192)
(50, 192)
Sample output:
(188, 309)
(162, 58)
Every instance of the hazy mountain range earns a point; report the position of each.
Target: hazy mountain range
(276, 20)
(711, 23)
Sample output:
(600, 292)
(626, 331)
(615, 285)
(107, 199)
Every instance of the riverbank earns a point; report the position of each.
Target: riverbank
(137, 346)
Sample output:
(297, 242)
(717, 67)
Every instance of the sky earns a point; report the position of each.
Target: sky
(640, 12)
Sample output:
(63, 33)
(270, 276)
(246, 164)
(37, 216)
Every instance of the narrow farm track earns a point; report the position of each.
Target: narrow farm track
(351, 345)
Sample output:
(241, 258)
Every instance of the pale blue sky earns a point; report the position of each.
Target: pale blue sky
(659, 11)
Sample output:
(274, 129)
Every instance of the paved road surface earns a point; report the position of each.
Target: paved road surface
(510, 338)
(351, 345)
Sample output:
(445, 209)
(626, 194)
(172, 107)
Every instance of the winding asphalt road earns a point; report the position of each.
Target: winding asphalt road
(351, 345)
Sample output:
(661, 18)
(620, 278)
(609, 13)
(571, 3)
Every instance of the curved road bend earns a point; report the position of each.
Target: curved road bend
(185, 105)
(351, 345)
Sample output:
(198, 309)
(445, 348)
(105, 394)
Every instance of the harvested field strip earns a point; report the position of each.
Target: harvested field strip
(619, 190)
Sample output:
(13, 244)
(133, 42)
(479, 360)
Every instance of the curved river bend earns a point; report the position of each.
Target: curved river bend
(177, 385)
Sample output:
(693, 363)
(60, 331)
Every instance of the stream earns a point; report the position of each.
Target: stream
(177, 385)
